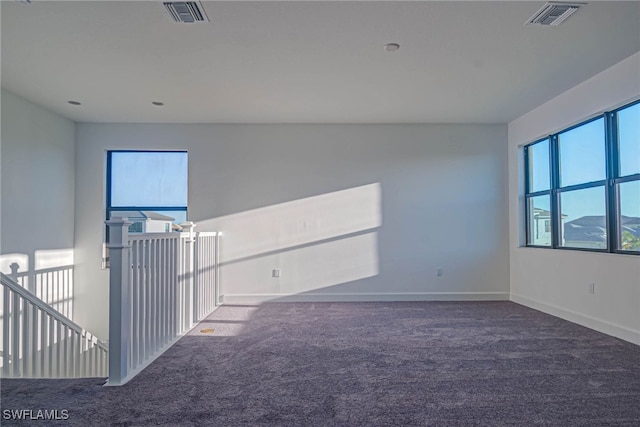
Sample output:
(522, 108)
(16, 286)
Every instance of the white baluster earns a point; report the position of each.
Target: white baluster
(189, 262)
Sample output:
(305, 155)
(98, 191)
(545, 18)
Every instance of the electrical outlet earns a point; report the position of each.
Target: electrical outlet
(275, 272)
(439, 271)
(592, 288)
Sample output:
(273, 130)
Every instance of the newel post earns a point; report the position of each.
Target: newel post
(14, 271)
(119, 299)
(190, 294)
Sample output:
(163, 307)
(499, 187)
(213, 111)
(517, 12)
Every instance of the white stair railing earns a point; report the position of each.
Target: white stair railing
(39, 342)
(52, 285)
(161, 284)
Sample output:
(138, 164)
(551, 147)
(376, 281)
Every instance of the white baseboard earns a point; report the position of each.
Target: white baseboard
(590, 322)
(365, 297)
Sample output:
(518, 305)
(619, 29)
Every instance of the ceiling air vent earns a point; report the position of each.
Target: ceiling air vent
(186, 11)
(553, 13)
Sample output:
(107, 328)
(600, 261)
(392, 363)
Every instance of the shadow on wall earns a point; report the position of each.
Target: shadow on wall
(48, 274)
(318, 242)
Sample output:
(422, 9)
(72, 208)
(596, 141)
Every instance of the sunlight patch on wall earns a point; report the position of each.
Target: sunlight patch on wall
(299, 222)
(52, 258)
(306, 268)
(330, 263)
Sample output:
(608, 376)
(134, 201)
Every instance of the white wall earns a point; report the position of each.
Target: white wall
(557, 281)
(347, 212)
(38, 163)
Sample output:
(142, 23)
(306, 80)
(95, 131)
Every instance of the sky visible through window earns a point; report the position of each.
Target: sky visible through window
(582, 154)
(629, 137)
(150, 179)
(540, 175)
(582, 160)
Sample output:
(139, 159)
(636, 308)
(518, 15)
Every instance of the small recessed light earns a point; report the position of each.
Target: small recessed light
(391, 47)
(158, 103)
(74, 102)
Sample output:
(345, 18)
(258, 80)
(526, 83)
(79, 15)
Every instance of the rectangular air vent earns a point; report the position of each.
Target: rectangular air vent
(186, 11)
(553, 13)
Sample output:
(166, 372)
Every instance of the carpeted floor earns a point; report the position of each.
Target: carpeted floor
(364, 364)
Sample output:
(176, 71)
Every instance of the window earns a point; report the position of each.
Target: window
(539, 201)
(582, 185)
(148, 187)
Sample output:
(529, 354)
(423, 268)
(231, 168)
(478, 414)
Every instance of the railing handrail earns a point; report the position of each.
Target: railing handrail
(24, 293)
(43, 270)
(172, 234)
(147, 236)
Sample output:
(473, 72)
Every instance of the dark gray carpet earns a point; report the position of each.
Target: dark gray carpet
(370, 364)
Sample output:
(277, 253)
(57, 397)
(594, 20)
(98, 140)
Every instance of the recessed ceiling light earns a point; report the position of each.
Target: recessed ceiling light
(391, 47)
(74, 102)
(158, 103)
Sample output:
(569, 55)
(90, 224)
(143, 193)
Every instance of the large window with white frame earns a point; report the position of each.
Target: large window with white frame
(582, 185)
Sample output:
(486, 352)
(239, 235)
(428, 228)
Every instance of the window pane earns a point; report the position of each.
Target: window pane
(149, 179)
(539, 221)
(629, 136)
(584, 221)
(630, 216)
(582, 154)
(538, 167)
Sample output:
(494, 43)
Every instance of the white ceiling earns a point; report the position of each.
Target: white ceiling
(306, 62)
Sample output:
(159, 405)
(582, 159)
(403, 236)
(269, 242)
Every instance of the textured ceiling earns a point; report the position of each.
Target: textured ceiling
(305, 62)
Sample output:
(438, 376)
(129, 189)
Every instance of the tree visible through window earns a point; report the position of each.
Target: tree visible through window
(148, 187)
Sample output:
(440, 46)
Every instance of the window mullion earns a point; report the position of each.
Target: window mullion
(600, 183)
(611, 192)
(628, 178)
(555, 184)
(527, 168)
(527, 214)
